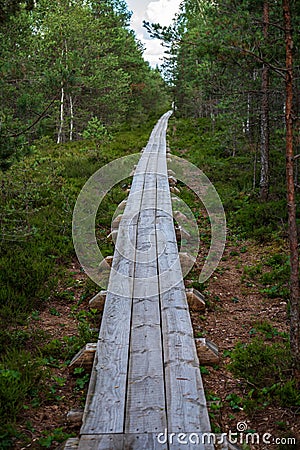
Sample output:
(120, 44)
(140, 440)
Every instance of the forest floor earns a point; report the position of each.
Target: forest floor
(236, 306)
(246, 299)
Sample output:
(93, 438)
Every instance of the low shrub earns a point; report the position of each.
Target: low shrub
(267, 367)
(261, 364)
(19, 373)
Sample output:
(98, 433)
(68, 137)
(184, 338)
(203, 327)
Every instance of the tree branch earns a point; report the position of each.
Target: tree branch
(272, 24)
(40, 117)
(280, 70)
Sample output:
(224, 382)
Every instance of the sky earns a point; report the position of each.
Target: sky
(153, 11)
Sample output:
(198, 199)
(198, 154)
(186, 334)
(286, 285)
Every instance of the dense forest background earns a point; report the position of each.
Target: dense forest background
(69, 68)
(76, 93)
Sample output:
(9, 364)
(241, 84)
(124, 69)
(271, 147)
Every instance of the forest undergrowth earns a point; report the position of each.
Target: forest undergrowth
(45, 318)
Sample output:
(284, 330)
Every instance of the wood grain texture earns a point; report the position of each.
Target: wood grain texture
(121, 442)
(106, 398)
(186, 404)
(146, 376)
(145, 410)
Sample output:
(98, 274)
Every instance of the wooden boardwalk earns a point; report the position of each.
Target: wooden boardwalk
(146, 376)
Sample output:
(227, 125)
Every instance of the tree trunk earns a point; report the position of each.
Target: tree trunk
(293, 240)
(265, 130)
(71, 117)
(61, 124)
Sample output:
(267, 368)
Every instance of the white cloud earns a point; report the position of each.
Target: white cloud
(158, 11)
(162, 11)
(153, 52)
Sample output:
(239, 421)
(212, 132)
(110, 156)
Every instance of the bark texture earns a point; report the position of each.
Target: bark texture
(293, 239)
(265, 126)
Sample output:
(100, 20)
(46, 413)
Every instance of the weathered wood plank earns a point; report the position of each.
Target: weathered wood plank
(186, 404)
(145, 410)
(106, 399)
(121, 442)
(146, 346)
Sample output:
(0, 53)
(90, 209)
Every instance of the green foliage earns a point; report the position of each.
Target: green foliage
(232, 176)
(259, 220)
(65, 348)
(82, 378)
(274, 278)
(8, 434)
(37, 199)
(235, 401)
(266, 329)
(82, 62)
(19, 373)
(96, 130)
(260, 363)
(54, 437)
(267, 367)
(288, 394)
(19, 339)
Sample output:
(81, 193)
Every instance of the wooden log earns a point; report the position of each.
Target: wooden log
(85, 357)
(74, 417)
(106, 261)
(195, 300)
(174, 190)
(113, 235)
(109, 260)
(180, 217)
(123, 204)
(98, 301)
(186, 260)
(181, 233)
(172, 180)
(70, 444)
(171, 172)
(208, 353)
(116, 222)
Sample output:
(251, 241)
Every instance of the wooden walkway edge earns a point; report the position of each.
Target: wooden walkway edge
(146, 382)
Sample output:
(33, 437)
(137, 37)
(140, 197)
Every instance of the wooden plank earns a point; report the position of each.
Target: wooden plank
(85, 357)
(186, 404)
(127, 390)
(70, 444)
(106, 398)
(146, 400)
(145, 411)
(121, 442)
